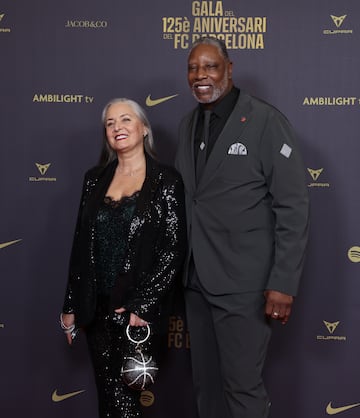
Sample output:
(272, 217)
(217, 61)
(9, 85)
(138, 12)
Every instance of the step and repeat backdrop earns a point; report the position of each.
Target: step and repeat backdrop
(61, 62)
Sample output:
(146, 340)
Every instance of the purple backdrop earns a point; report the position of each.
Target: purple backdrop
(61, 62)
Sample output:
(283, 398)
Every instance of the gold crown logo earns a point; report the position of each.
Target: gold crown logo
(331, 326)
(43, 168)
(338, 20)
(315, 174)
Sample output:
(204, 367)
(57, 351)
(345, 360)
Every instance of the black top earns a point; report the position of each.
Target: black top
(219, 115)
(111, 239)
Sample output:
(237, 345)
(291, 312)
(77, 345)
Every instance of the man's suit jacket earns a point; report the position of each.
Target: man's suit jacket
(247, 218)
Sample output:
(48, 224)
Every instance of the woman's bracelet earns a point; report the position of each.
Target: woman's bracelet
(67, 330)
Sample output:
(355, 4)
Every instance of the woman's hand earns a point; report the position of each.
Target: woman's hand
(135, 321)
(68, 320)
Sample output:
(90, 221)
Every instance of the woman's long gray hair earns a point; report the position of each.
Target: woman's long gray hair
(107, 153)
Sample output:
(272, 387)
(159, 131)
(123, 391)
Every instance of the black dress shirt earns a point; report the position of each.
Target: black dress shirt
(219, 115)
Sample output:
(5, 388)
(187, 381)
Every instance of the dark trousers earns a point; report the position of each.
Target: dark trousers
(229, 336)
(107, 344)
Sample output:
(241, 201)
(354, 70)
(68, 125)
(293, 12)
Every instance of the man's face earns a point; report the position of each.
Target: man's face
(209, 74)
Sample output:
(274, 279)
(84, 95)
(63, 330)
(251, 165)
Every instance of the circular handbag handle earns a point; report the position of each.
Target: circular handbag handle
(139, 341)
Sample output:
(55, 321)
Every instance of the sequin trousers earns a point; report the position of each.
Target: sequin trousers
(107, 343)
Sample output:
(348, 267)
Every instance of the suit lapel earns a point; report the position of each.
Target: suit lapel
(188, 169)
(103, 180)
(231, 133)
(145, 198)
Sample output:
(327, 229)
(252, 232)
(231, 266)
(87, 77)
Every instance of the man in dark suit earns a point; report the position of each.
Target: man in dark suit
(247, 214)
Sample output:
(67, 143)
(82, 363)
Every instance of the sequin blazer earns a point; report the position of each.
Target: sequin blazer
(155, 250)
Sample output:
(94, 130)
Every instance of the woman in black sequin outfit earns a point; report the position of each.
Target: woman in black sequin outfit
(129, 247)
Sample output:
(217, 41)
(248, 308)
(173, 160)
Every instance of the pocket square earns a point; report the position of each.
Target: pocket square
(237, 149)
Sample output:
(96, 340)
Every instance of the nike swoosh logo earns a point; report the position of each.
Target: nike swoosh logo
(58, 398)
(150, 102)
(6, 244)
(333, 411)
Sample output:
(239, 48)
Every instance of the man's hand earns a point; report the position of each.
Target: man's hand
(278, 305)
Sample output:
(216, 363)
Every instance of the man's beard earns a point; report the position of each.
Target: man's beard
(217, 92)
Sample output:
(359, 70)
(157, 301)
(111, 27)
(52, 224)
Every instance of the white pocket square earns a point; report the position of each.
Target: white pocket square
(237, 149)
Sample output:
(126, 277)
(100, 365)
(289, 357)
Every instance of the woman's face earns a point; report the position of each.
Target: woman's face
(124, 130)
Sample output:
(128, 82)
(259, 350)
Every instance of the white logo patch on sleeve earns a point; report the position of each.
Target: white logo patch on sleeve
(286, 151)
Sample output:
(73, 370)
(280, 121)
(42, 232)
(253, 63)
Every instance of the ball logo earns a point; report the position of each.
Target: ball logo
(147, 398)
(139, 370)
(354, 254)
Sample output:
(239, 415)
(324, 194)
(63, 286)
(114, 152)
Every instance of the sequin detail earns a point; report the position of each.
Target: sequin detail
(153, 257)
(111, 240)
(107, 344)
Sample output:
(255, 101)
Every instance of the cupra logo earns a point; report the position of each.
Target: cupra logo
(330, 410)
(315, 174)
(331, 336)
(58, 398)
(331, 326)
(43, 168)
(338, 20)
(154, 102)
